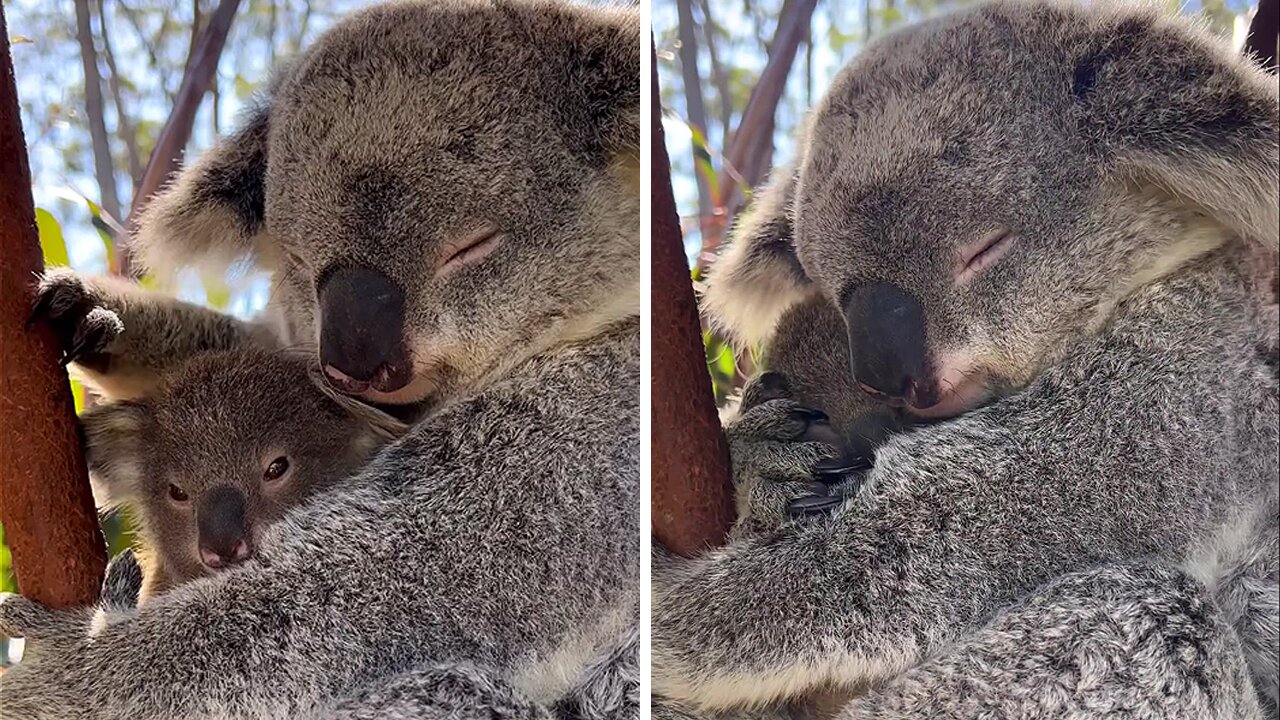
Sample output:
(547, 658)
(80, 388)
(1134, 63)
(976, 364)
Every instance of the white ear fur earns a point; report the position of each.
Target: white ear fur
(112, 433)
(211, 216)
(758, 276)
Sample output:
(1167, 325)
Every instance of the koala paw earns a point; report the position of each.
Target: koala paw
(84, 327)
(787, 459)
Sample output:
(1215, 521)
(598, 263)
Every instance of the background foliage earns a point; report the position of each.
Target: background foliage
(714, 58)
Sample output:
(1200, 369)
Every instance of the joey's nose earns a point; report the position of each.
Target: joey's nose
(221, 559)
(887, 344)
(362, 342)
(223, 528)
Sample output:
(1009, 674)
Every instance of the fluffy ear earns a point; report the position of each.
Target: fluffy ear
(601, 78)
(113, 446)
(758, 275)
(213, 212)
(1184, 113)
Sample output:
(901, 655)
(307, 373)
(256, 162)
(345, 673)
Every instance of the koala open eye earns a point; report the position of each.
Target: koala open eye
(469, 249)
(980, 255)
(276, 469)
(178, 494)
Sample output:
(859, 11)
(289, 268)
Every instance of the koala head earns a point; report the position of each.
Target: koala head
(222, 449)
(979, 190)
(441, 187)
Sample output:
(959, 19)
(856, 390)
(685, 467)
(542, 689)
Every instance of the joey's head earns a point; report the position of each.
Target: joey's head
(979, 190)
(441, 186)
(226, 446)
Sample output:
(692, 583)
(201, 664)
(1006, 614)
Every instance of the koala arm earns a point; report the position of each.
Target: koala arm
(121, 337)
(502, 529)
(1105, 456)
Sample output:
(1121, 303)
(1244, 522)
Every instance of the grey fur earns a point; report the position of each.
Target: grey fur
(1123, 351)
(502, 531)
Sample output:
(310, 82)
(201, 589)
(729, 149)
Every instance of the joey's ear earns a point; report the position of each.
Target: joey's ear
(213, 212)
(758, 275)
(1185, 114)
(601, 79)
(113, 446)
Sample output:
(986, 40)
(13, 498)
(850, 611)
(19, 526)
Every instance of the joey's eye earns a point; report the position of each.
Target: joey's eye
(984, 253)
(178, 494)
(276, 469)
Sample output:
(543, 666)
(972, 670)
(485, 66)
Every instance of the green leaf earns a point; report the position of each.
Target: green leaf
(77, 395)
(104, 230)
(217, 294)
(52, 244)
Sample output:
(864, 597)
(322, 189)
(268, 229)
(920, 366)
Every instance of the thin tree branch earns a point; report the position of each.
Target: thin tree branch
(95, 111)
(751, 148)
(167, 155)
(149, 46)
(718, 76)
(1264, 34)
(695, 110)
(692, 499)
(124, 125)
(46, 506)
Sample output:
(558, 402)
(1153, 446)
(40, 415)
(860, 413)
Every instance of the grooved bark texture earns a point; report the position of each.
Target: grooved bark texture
(45, 503)
(692, 499)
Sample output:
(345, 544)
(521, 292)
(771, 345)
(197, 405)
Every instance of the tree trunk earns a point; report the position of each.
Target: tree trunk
(95, 111)
(45, 503)
(1264, 33)
(749, 152)
(692, 498)
(167, 155)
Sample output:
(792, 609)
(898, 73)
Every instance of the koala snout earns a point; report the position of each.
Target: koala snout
(222, 527)
(362, 344)
(887, 345)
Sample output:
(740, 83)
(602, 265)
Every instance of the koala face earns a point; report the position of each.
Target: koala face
(980, 190)
(221, 451)
(439, 183)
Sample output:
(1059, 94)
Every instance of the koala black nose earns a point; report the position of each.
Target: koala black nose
(887, 344)
(222, 527)
(362, 331)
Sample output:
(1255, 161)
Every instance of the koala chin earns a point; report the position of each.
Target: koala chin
(1039, 220)
(446, 193)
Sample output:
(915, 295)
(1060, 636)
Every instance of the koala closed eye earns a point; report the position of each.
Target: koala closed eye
(978, 256)
(468, 250)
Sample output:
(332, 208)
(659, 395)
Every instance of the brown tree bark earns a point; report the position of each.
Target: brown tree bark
(1264, 33)
(751, 147)
(692, 499)
(45, 503)
(167, 155)
(95, 112)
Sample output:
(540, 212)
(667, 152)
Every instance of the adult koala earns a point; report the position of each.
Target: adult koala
(447, 193)
(1059, 205)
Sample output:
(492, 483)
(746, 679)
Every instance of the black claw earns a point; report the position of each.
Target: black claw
(773, 384)
(74, 352)
(842, 465)
(810, 414)
(813, 505)
(38, 310)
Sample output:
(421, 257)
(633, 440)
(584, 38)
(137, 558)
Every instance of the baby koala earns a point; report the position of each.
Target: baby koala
(221, 449)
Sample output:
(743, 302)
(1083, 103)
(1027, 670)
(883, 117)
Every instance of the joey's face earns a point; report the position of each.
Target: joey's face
(445, 201)
(957, 201)
(231, 445)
